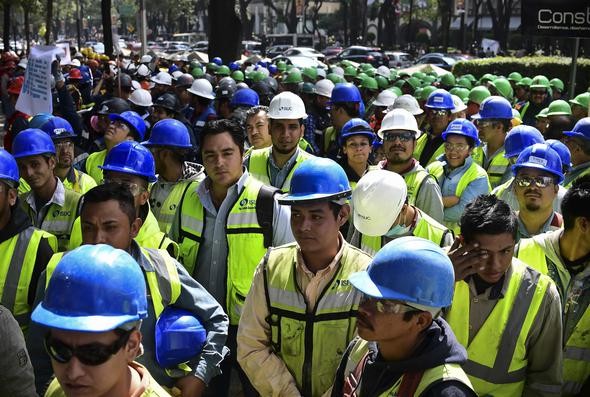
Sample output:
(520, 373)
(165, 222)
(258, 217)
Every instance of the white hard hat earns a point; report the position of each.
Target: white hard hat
(338, 70)
(516, 114)
(23, 63)
(385, 98)
(324, 88)
(75, 62)
(408, 103)
(146, 59)
(143, 71)
(287, 106)
(135, 84)
(399, 119)
(321, 72)
(141, 97)
(383, 71)
(163, 78)
(377, 201)
(202, 88)
(458, 105)
(176, 74)
(264, 71)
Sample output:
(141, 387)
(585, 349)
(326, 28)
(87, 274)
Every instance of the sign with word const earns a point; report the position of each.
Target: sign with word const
(35, 96)
(568, 18)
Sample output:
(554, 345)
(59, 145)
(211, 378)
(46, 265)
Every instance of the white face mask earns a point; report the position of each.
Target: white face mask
(398, 230)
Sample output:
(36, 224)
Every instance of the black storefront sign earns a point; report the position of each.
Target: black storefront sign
(566, 18)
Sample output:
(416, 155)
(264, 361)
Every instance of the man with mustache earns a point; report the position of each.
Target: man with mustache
(537, 175)
(399, 131)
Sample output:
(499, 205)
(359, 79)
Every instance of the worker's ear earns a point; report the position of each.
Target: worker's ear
(12, 196)
(423, 320)
(133, 347)
(343, 215)
(135, 226)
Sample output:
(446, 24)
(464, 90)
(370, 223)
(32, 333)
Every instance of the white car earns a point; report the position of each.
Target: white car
(307, 52)
(300, 62)
(399, 59)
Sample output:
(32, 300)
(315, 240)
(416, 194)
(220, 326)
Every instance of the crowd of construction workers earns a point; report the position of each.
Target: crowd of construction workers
(181, 228)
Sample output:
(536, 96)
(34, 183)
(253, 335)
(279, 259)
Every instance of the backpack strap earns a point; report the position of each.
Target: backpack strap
(265, 211)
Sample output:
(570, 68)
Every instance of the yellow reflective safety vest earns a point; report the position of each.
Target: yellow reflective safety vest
(245, 241)
(570, 183)
(163, 283)
(17, 262)
(576, 352)
(426, 227)
(330, 136)
(166, 213)
(259, 167)
(80, 183)
(92, 162)
(497, 363)
(58, 220)
(311, 340)
(149, 236)
(414, 181)
(360, 348)
(23, 186)
(496, 168)
(419, 148)
(472, 173)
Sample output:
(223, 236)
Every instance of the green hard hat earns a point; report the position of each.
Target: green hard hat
(371, 72)
(461, 92)
(392, 74)
(350, 71)
(581, 100)
(307, 88)
(310, 73)
(197, 72)
(418, 92)
(334, 78)
(524, 82)
(365, 66)
(429, 80)
(395, 90)
(542, 114)
(238, 75)
(447, 79)
(282, 66)
(293, 77)
(557, 84)
(403, 74)
(399, 83)
(360, 77)
(419, 75)
(426, 91)
(212, 67)
(540, 81)
(470, 77)
(194, 64)
(487, 77)
(503, 87)
(257, 76)
(478, 94)
(369, 83)
(222, 71)
(413, 82)
(464, 82)
(514, 76)
(382, 82)
(346, 63)
(559, 108)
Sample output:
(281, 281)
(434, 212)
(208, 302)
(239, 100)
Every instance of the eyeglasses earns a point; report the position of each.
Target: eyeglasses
(402, 136)
(455, 147)
(91, 354)
(440, 113)
(483, 123)
(385, 306)
(134, 188)
(64, 144)
(355, 145)
(539, 181)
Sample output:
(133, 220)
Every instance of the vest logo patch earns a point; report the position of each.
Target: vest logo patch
(342, 283)
(172, 206)
(246, 204)
(57, 213)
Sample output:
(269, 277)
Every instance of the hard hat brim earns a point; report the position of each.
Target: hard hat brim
(50, 319)
(517, 167)
(292, 199)
(124, 170)
(575, 134)
(363, 282)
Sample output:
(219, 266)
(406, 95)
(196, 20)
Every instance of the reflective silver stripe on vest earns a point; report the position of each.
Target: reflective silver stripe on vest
(165, 218)
(64, 227)
(242, 219)
(546, 389)
(14, 273)
(499, 373)
(192, 223)
(284, 297)
(571, 387)
(161, 271)
(496, 170)
(577, 353)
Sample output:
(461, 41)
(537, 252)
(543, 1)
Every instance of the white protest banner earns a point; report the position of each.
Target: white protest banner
(35, 96)
(490, 45)
(66, 58)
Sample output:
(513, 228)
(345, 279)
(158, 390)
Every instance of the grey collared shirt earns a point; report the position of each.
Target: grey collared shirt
(59, 198)
(279, 175)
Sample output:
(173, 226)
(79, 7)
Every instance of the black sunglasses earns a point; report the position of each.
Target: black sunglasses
(90, 354)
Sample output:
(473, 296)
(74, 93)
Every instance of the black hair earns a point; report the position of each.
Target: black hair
(254, 110)
(300, 121)
(112, 191)
(584, 145)
(505, 123)
(220, 126)
(352, 109)
(335, 208)
(575, 202)
(487, 214)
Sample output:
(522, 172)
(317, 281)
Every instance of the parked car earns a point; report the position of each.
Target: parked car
(399, 59)
(300, 62)
(361, 54)
(305, 52)
(333, 50)
(251, 47)
(438, 59)
(276, 50)
(202, 46)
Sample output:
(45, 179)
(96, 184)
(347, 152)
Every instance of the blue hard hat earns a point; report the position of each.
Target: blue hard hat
(217, 61)
(563, 151)
(542, 157)
(32, 142)
(272, 69)
(580, 130)
(354, 127)
(233, 66)
(245, 97)
(58, 128)
(172, 68)
(133, 120)
(317, 179)
(494, 107)
(519, 138)
(8, 167)
(410, 269)
(130, 157)
(345, 92)
(180, 336)
(440, 100)
(94, 288)
(169, 132)
(39, 119)
(86, 73)
(464, 128)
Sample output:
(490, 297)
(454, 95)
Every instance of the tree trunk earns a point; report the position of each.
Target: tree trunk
(26, 11)
(107, 28)
(6, 31)
(48, 21)
(224, 30)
